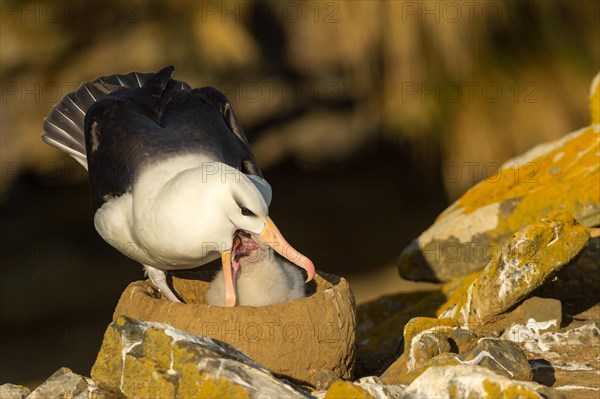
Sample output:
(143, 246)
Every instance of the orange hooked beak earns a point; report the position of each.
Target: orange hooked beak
(275, 240)
(272, 237)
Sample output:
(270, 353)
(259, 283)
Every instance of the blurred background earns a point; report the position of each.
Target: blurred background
(368, 118)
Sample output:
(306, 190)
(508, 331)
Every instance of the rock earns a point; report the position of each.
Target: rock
(12, 391)
(293, 339)
(414, 331)
(378, 389)
(397, 372)
(576, 284)
(562, 174)
(380, 327)
(400, 374)
(366, 387)
(501, 356)
(345, 389)
(420, 326)
(567, 360)
(470, 381)
(145, 359)
(525, 261)
(541, 314)
(427, 347)
(461, 340)
(551, 344)
(63, 383)
(324, 379)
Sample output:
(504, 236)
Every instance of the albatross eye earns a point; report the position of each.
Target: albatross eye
(247, 212)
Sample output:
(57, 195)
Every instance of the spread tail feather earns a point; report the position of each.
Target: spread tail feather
(64, 127)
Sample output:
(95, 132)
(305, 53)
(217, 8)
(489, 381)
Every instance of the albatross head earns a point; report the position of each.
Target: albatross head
(246, 205)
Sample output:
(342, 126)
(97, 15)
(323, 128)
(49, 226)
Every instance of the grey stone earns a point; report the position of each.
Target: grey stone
(62, 384)
(501, 356)
(428, 346)
(12, 391)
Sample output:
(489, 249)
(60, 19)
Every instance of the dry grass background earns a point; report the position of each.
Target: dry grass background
(367, 117)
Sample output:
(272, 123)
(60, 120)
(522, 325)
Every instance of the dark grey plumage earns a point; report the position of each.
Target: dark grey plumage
(118, 124)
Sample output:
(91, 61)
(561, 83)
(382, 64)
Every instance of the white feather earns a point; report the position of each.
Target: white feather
(79, 157)
(181, 213)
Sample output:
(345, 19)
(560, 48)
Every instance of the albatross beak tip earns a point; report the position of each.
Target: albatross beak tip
(275, 240)
(310, 269)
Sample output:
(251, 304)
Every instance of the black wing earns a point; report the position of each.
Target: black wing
(117, 124)
(131, 128)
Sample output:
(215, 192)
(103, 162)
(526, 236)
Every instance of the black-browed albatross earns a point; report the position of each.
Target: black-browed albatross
(173, 180)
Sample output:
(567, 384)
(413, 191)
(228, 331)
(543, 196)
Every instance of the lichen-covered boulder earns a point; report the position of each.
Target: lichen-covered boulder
(525, 261)
(423, 340)
(295, 339)
(153, 360)
(469, 381)
(564, 174)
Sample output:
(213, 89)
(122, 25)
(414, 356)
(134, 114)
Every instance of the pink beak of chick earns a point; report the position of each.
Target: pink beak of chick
(272, 237)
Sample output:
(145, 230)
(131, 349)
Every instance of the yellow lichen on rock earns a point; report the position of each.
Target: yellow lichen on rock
(595, 100)
(142, 377)
(493, 390)
(536, 179)
(107, 369)
(526, 260)
(150, 360)
(523, 264)
(456, 292)
(194, 385)
(344, 390)
(421, 324)
(156, 341)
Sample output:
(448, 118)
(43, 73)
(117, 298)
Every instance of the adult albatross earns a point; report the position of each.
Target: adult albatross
(173, 180)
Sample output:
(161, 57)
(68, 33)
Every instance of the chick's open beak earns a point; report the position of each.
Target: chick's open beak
(272, 237)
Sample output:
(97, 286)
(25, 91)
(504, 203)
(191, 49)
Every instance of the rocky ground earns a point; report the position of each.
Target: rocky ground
(517, 317)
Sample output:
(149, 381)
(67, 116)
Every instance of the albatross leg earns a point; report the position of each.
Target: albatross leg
(159, 278)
